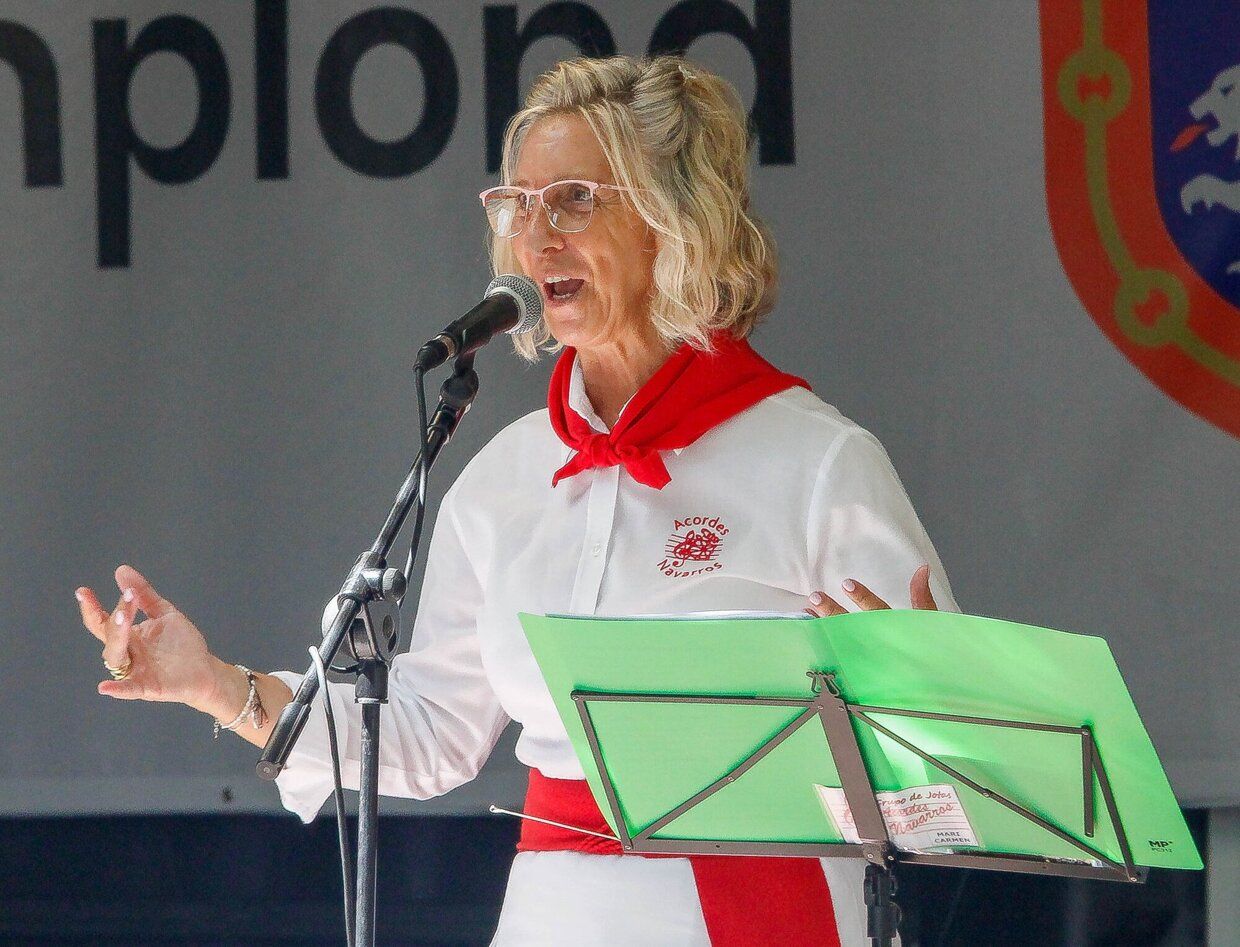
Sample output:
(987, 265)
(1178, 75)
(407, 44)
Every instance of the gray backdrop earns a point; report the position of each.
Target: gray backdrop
(232, 412)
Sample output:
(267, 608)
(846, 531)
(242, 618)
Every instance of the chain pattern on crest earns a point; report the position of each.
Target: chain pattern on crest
(1100, 69)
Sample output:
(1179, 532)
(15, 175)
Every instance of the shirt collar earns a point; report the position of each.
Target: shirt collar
(579, 401)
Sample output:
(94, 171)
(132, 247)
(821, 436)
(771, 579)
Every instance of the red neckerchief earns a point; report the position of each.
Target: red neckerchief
(691, 393)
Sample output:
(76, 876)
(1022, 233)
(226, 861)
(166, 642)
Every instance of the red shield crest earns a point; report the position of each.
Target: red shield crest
(1140, 171)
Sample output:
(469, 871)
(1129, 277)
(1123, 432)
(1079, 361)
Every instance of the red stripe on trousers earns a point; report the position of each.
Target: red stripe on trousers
(746, 900)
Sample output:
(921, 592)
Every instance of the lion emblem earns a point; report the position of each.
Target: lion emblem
(1217, 114)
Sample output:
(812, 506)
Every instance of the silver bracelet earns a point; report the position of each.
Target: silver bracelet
(253, 707)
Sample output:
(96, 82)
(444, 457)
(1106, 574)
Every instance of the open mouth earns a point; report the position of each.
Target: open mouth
(561, 289)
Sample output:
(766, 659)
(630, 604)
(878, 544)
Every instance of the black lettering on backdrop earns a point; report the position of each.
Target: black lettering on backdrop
(769, 41)
(115, 138)
(334, 107)
(506, 45)
(271, 89)
(116, 60)
(30, 58)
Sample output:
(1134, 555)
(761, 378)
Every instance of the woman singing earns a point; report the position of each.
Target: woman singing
(673, 470)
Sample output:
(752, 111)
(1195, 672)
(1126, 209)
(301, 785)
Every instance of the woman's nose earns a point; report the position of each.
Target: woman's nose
(540, 233)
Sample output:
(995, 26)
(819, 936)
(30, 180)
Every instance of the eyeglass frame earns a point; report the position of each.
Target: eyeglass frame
(528, 193)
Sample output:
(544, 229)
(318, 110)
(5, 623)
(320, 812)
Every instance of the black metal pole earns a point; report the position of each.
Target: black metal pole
(371, 586)
(367, 827)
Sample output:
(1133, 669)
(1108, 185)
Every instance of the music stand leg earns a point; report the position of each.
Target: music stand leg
(882, 914)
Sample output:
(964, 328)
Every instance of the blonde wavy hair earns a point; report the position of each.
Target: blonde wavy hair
(678, 136)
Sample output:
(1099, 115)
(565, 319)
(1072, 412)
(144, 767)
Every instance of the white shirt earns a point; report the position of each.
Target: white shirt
(783, 499)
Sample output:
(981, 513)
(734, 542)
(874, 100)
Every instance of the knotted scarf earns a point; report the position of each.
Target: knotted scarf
(691, 393)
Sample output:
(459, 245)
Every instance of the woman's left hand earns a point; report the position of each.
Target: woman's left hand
(822, 605)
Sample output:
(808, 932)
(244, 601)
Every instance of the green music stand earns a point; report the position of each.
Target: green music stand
(723, 736)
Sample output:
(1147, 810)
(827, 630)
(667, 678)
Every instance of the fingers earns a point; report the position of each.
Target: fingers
(122, 690)
(118, 628)
(146, 599)
(150, 601)
(823, 605)
(112, 628)
(864, 598)
(94, 616)
(919, 589)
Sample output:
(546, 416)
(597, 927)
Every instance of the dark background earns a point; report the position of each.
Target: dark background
(257, 880)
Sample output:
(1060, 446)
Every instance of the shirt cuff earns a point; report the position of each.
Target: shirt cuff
(306, 781)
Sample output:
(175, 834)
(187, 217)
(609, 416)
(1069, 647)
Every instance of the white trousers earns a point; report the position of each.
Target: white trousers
(572, 899)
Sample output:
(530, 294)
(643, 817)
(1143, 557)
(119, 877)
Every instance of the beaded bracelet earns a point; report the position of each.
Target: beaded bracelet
(253, 707)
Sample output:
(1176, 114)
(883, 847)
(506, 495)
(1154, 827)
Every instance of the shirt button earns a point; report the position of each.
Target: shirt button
(596, 549)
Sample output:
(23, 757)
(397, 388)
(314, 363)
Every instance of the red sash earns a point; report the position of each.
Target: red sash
(747, 901)
(691, 393)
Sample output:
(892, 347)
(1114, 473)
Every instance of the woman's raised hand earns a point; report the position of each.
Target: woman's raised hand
(168, 657)
(823, 605)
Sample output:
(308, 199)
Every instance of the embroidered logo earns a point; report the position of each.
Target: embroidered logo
(693, 547)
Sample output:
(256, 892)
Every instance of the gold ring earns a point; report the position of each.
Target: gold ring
(120, 673)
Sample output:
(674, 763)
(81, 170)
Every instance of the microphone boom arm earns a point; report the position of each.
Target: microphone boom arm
(367, 579)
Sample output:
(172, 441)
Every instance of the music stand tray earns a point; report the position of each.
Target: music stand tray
(725, 736)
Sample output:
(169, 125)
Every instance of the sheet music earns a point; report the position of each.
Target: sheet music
(919, 819)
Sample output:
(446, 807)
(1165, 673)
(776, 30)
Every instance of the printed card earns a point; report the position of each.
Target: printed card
(919, 819)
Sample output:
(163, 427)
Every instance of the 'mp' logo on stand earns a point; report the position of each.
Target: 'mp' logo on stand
(1142, 110)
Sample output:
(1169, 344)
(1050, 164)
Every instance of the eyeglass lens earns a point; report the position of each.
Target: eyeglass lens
(569, 207)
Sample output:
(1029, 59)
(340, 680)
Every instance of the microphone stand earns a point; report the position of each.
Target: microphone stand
(375, 592)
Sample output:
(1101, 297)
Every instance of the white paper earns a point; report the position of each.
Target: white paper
(919, 819)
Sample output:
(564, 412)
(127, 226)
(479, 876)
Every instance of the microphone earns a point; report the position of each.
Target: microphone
(511, 304)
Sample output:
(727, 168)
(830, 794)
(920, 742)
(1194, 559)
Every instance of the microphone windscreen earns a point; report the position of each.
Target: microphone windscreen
(527, 295)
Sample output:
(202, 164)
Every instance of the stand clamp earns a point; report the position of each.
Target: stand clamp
(372, 636)
(882, 914)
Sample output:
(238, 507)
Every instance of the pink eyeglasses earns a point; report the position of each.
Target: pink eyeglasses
(569, 205)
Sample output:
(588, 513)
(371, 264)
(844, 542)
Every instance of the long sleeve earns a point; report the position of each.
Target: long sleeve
(862, 526)
(443, 718)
